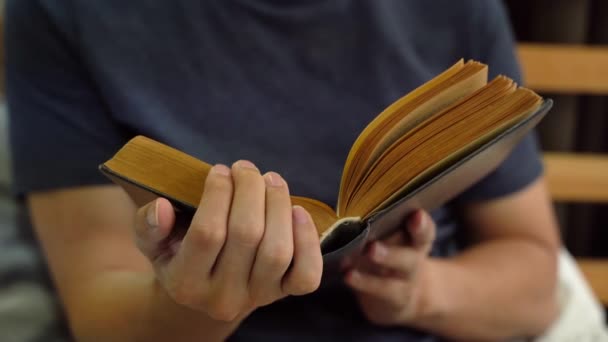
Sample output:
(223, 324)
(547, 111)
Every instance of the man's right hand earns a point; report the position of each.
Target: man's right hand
(246, 246)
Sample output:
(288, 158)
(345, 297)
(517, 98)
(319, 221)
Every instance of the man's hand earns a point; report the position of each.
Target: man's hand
(392, 279)
(246, 246)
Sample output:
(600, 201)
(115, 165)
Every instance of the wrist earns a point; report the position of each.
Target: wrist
(432, 300)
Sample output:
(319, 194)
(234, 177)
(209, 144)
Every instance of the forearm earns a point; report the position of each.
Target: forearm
(128, 306)
(495, 290)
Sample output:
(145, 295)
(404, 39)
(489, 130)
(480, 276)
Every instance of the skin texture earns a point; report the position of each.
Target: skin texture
(236, 254)
(387, 278)
(126, 281)
(458, 297)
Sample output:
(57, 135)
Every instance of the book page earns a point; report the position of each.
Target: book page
(460, 126)
(403, 116)
(351, 162)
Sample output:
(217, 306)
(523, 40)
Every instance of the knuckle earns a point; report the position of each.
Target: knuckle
(306, 282)
(182, 294)
(278, 254)
(203, 234)
(247, 232)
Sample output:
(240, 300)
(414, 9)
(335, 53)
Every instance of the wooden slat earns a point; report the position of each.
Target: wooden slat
(577, 177)
(596, 273)
(570, 69)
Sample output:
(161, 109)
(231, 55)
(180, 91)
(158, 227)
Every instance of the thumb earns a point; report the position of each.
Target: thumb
(422, 230)
(153, 224)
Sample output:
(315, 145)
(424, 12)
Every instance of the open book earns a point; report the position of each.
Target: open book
(420, 152)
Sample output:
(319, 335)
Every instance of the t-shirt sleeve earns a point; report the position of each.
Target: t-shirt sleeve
(495, 46)
(60, 129)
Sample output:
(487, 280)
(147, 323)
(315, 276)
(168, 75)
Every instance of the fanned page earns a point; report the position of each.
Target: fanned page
(453, 84)
(443, 138)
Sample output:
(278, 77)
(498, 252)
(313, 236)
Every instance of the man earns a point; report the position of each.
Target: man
(287, 86)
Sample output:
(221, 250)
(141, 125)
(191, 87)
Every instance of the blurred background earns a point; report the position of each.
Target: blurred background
(579, 120)
(28, 310)
(564, 53)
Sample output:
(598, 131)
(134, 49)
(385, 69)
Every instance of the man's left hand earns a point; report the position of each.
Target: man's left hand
(392, 280)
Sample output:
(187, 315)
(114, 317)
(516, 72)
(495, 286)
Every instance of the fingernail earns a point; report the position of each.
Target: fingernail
(152, 215)
(245, 164)
(221, 169)
(273, 179)
(379, 252)
(300, 216)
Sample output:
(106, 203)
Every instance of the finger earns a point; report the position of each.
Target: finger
(246, 223)
(390, 290)
(422, 230)
(207, 232)
(153, 224)
(276, 249)
(307, 266)
(396, 238)
(394, 261)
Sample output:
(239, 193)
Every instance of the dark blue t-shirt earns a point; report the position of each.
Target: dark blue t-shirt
(286, 84)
